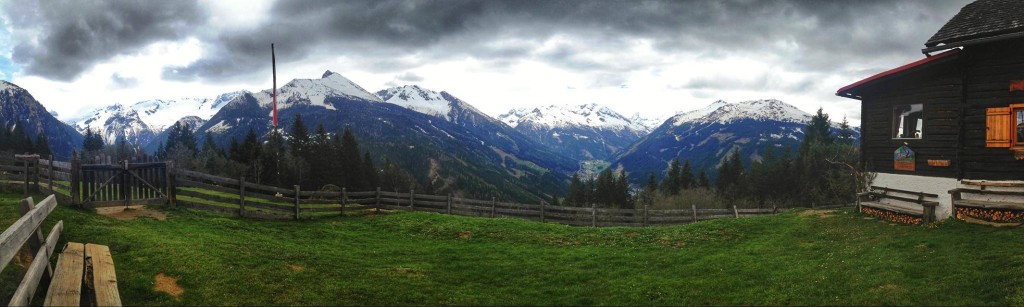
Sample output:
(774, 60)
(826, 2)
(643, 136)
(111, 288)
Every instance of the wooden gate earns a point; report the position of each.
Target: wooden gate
(106, 185)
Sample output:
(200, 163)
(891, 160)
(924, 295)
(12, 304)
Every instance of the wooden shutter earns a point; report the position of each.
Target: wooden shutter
(998, 127)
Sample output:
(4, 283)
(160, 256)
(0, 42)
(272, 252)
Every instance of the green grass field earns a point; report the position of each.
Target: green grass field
(409, 258)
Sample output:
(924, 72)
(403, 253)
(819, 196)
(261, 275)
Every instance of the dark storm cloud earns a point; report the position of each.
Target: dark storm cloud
(393, 36)
(809, 35)
(69, 37)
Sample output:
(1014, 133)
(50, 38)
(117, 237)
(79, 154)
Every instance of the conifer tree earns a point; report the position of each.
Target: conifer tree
(686, 180)
(370, 172)
(300, 137)
(42, 145)
(351, 162)
(670, 185)
(702, 179)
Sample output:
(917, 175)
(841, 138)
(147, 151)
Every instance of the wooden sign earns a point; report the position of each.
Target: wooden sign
(938, 163)
(1017, 85)
(903, 159)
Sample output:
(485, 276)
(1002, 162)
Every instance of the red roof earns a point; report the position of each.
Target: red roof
(887, 73)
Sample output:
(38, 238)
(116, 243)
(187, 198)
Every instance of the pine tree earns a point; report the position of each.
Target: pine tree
(576, 194)
(210, 146)
(622, 197)
(819, 129)
(351, 162)
(730, 174)
(670, 185)
(845, 132)
(42, 145)
(686, 180)
(370, 172)
(300, 137)
(122, 149)
(702, 180)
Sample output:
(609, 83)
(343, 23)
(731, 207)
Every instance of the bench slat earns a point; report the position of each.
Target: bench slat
(892, 208)
(27, 288)
(906, 199)
(993, 184)
(66, 286)
(977, 191)
(904, 191)
(988, 204)
(15, 236)
(104, 279)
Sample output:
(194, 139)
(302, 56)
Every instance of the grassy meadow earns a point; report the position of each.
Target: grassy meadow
(799, 257)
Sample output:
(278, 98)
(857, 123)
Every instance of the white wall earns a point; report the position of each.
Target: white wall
(934, 185)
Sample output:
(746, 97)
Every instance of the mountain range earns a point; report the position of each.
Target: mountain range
(706, 135)
(459, 150)
(444, 142)
(17, 106)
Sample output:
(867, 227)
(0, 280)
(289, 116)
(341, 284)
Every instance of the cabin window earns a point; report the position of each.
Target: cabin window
(908, 121)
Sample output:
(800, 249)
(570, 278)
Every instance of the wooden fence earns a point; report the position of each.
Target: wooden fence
(238, 197)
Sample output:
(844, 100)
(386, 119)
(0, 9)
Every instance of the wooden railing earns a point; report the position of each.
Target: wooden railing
(236, 196)
(225, 195)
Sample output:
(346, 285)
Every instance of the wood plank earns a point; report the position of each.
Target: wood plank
(27, 289)
(66, 286)
(14, 237)
(104, 279)
(993, 184)
(983, 204)
(887, 207)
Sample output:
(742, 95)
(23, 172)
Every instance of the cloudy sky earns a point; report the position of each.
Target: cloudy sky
(652, 57)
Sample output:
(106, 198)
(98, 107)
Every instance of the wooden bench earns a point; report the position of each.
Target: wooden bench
(982, 189)
(918, 204)
(84, 274)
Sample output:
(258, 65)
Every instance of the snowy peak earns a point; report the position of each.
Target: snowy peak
(724, 112)
(433, 103)
(418, 99)
(561, 116)
(138, 122)
(7, 86)
(314, 92)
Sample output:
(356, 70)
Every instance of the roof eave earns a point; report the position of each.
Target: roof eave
(976, 41)
(849, 90)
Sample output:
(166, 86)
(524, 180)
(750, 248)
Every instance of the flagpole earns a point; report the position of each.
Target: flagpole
(276, 133)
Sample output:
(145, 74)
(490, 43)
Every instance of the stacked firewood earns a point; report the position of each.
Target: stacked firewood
(892, 216)
(992, 215)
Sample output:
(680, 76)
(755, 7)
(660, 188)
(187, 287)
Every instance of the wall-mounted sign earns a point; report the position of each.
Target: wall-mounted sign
(938, 163)
(1017, 85)
(903, 159)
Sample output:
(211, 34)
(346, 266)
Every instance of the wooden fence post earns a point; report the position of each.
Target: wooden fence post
(38, 240)
(492, 206)
(25, 162)
(645, 214)
(49, 175)
(735, 213)
(412, 197)
(593, 215)
(377, 208)
(241, 196)
(297, 202)
(36, 174)
(449, 203)
(542, 217)
(694, 207)
(172, 193)
(344, 200)
(76, 184)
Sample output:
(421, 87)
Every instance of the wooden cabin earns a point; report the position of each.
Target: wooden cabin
(951, 125)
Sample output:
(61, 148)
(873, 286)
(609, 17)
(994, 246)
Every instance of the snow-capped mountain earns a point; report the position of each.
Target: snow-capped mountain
(706, 135)
(724, 112)
(18, 106)
(648, 123)
(457, 149)
(139, 122)
(583, 132)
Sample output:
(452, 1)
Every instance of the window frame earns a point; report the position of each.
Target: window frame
(1014, 142)
(895, 124)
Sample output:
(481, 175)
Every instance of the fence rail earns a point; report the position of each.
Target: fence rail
(238, 197)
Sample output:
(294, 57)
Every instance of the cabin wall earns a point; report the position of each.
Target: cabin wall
(990, 68)
(939, 89)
